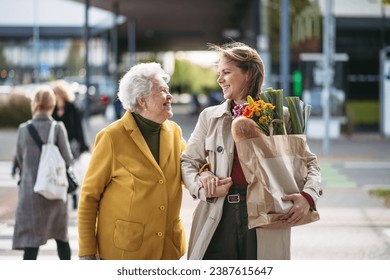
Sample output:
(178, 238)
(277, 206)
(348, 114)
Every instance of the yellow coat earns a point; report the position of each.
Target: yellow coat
(129, 205)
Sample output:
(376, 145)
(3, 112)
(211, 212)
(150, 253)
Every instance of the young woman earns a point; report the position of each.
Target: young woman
(220, 224)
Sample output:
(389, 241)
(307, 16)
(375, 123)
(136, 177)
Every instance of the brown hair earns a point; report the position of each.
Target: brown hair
(44, 100)
(248, 60)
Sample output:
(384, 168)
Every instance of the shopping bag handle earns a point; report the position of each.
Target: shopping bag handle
(271, 127)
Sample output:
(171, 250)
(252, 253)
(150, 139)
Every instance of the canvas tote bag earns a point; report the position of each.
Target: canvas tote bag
(51, 181)
(273, 166)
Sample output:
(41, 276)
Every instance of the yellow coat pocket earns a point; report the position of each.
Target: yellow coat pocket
(128, 235)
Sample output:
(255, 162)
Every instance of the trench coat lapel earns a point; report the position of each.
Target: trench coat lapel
(134, 133)
(222, 111)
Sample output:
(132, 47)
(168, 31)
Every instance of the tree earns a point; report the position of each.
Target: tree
(74, 62)
(3, 60)
(193, 78)
(296, 7)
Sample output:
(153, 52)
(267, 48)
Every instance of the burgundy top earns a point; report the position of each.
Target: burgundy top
(237, 174)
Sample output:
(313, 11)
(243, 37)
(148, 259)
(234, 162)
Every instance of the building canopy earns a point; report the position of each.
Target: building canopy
(59, 18)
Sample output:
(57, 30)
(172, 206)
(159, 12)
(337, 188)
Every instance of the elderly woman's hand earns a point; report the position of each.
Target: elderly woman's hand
(214, 186)
(88, 257)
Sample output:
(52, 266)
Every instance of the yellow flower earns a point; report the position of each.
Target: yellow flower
(260, 112)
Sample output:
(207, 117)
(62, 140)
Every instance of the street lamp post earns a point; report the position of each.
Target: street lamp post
(263, 39)
(36, 40)
(285, 47)
(328, 50)
(86, 61)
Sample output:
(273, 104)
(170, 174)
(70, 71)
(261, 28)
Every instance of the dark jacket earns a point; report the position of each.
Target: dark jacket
(73, 124)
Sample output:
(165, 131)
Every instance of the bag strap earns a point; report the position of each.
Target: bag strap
(271, 127)
(35, 135)
(51, 133)
(37, 138)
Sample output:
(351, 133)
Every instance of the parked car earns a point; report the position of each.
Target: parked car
(97, 100)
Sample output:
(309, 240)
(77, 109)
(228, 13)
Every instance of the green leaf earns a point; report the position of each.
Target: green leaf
(275, 97)
(307, 113)
(299, 114)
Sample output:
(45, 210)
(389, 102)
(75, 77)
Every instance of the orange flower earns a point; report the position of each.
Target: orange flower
(248, 112)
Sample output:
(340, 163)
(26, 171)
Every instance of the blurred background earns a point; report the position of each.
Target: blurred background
(334, 55)
(307, 46)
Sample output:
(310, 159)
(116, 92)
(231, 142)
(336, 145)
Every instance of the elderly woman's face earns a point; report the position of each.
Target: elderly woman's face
(158, 105)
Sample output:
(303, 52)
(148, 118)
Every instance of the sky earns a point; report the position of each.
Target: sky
(204, 58)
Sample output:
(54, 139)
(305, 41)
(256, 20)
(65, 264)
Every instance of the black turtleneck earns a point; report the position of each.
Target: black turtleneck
(151, 132)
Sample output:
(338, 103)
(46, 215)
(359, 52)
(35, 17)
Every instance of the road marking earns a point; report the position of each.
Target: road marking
(46, 252)
(386, 231)
(367, 164)
(333, 178)
(376, 186)
(6, 179)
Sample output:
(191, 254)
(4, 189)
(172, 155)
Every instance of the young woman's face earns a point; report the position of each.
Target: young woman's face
(232, 80)
(158, 105)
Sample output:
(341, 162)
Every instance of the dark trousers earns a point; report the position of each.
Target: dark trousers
(232, 239)
(63, 250)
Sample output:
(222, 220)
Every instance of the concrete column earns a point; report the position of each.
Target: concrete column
(86, 61)
(285, 47)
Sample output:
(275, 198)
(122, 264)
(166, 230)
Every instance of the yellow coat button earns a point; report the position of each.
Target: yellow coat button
(159, 234)
(162, 207)
(161, 182)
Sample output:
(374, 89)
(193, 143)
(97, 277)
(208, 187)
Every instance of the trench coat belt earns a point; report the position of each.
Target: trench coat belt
(235, 198)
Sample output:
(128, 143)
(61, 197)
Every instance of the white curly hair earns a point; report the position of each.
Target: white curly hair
(137, 83)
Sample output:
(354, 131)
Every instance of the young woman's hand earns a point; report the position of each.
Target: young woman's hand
(298, 211)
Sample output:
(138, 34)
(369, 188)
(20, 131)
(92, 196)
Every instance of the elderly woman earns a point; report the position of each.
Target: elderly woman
(39, 219)
(130, 200)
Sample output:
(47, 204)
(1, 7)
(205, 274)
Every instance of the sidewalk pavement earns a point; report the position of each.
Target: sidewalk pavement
(354, 225)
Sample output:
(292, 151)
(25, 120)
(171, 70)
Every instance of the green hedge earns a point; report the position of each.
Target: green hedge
(14, 109)
(363, 112)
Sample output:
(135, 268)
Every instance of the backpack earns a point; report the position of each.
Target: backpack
(51, 180)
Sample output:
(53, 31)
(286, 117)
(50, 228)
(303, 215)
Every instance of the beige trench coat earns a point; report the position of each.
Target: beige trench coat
(212, 141)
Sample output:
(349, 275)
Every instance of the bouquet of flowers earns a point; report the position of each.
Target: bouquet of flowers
(267, 112)
(262, 113)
